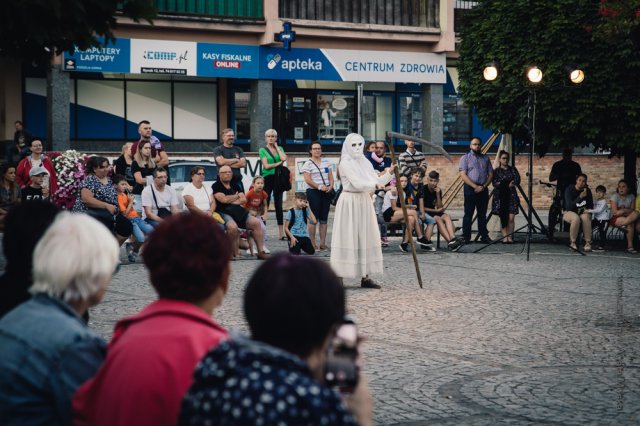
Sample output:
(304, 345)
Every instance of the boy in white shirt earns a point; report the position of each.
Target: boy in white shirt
(601, 216)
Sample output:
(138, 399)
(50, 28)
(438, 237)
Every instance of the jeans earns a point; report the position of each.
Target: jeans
(475, 201)
(140, 228)
(319, 204)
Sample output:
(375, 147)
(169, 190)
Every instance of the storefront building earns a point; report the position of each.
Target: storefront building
(366, 67)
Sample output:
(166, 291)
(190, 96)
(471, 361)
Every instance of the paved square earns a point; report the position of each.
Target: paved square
(490, 339)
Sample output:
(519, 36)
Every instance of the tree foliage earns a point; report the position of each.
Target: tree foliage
(603, 111)
(33, 30)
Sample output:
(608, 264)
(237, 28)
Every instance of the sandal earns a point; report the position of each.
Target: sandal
(631, 250)
(323, 248)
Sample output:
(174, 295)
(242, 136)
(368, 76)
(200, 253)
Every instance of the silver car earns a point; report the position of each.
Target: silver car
(180, 174)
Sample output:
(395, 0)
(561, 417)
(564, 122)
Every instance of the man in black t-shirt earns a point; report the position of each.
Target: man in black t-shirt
(229, 202)
(565, 171)
(36, 191)
(431, 205)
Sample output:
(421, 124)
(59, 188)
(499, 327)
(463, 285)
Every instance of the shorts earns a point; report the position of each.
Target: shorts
(387, 214)
(428, 219)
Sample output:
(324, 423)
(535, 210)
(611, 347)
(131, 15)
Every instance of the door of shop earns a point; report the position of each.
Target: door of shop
(293, 118)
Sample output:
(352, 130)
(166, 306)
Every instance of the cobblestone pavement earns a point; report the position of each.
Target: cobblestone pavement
(490, 339)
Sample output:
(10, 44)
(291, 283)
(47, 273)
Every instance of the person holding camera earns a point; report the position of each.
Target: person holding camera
(159, 200)
(578, 200)
(293, 306)
(295, 226)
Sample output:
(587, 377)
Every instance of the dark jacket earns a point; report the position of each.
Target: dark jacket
(573, 202)
(244, 382)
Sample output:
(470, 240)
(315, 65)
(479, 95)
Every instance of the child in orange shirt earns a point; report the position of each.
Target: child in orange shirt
(125, 205)
(256, 205)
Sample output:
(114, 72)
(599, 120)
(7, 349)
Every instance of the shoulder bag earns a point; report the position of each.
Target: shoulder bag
(163, 212)
(282, 173)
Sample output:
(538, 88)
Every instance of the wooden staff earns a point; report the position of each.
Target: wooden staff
(423, 142)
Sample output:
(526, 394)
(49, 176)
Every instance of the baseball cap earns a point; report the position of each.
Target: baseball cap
(38, 170)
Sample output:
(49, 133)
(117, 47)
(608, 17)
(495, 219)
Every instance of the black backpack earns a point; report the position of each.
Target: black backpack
(293, 217)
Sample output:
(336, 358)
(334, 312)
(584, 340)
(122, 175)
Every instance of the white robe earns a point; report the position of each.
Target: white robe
(355, 242)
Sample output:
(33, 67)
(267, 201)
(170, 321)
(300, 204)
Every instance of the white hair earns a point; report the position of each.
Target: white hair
(270, 132)
(75, 258)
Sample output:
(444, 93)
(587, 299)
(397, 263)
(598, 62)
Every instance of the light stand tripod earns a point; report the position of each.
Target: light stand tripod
(531, 114)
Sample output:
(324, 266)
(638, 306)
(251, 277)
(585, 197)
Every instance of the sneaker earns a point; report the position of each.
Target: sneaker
(132, 257)
(587, 247)
(404, 247)
(368, 283)
(454, 245)
(266, 250)
(383, 243)
(424, 242)
(457, 247)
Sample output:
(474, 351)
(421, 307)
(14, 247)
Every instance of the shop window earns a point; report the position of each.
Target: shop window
(240, 116)
(195, 111)
(149, 100)
(336, 117)
(376, 116)
(100, 109)
(456, 120)
(411, 115)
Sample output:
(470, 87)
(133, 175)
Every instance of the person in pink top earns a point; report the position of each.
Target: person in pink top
(152, 355)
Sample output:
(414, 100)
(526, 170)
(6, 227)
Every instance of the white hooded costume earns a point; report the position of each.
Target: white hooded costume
(355, 240)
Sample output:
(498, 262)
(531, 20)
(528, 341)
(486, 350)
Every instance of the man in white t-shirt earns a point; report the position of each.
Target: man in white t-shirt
(159, 200)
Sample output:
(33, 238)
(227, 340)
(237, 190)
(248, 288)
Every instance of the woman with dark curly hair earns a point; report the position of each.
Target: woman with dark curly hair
(293, 305)
(152, 355)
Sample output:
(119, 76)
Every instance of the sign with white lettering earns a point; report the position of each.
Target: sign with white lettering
(138, 56)
(163, 57)
(295, 64)
(227, 60)
(112, 58)
(399, 67)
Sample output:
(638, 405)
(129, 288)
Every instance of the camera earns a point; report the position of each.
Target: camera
(341, 369)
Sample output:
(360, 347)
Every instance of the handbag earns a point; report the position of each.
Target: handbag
(163, 212)
(336, 195)
(282, 174)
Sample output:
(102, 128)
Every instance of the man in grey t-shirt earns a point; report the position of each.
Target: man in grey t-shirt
(230, 155)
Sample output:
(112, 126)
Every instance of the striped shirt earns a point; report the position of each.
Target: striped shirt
(408, 161)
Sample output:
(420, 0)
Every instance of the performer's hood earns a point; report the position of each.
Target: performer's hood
(353, 146)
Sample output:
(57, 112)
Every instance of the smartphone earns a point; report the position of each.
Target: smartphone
(341, 369)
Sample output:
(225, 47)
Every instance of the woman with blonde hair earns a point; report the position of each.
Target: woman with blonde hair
(46, 349)
(141, 167)
(122, 164)
(272, 156)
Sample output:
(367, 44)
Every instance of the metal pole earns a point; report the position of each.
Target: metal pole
(359, 113)
(531, 153)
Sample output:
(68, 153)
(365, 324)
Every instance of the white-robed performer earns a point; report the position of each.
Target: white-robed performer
(355, 241)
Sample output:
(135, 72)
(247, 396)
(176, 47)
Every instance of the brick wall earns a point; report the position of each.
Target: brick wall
(599, 169)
